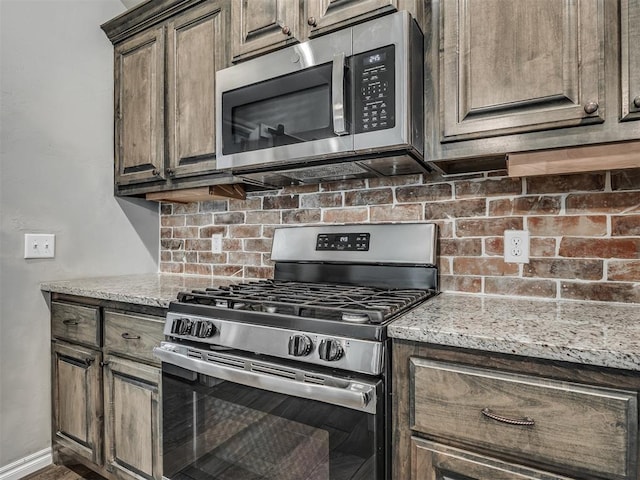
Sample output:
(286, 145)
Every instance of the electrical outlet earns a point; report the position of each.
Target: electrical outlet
(216, 243)
(516, 246)
(39, 245)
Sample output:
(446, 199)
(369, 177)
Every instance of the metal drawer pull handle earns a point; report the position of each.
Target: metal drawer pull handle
(128, 336)
(526, 421)
(70, 322)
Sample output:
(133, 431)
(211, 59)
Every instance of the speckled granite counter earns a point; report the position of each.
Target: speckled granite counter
(602, 334)
(155, 290)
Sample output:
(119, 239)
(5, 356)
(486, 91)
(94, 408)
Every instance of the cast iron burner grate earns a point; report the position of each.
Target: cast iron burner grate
(349, 303)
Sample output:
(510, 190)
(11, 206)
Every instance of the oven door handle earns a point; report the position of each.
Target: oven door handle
(337, 94)
(356, 395)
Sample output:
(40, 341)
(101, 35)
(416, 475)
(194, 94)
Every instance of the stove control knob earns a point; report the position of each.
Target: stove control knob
(330, 350)
(299, 345)
(181, 326)
(206, 329)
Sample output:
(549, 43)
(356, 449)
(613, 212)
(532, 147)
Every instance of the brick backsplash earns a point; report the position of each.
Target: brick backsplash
(585, 229)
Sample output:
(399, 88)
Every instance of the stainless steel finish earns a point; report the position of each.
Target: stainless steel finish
(406, 136)
(288, 60)
(591, 107)
(418, 242)
(355, 394)
(525, 422)
(362, 356)
(394, 30)
(636, 101)
(337, 94)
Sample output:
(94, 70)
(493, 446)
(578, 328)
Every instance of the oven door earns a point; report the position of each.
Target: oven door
(236, 416)
(287, 105)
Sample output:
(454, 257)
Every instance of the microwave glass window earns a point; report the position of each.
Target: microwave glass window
(284, 119)
(290, 109)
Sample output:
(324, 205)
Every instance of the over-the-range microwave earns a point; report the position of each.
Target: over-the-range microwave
(348, 104)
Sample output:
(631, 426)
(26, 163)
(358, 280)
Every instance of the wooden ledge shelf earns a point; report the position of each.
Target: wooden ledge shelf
(199, 194)
(575, 160)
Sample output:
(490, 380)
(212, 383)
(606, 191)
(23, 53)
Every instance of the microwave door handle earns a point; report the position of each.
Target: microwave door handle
(337, 94)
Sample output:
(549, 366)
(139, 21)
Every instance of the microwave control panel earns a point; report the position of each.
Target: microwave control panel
(374, 78)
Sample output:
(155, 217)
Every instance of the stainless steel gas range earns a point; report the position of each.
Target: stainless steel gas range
(288, 378)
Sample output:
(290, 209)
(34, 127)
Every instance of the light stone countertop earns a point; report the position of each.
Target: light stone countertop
(595, 333)
(153, 289)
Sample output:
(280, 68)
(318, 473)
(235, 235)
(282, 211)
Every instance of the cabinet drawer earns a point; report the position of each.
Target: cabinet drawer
(132, 335)
(431, 460)
(554, 423)
(75, 323)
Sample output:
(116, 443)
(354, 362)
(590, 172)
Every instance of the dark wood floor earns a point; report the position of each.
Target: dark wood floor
(62, 472)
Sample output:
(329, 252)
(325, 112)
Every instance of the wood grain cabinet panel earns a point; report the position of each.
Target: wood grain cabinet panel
(324, 15)
(630, 60)
(139, 108)
(196, 50)
(75, 323)
(77, 399)
(259, 27)
(267, 25)
(167, 53)
(431, 461)
(133, 336)
(132, 419)
(586, 428)
(517, 66)
(106, 396)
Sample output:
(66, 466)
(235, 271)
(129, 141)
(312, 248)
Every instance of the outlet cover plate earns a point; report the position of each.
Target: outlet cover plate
(39, 245)
(516, 246)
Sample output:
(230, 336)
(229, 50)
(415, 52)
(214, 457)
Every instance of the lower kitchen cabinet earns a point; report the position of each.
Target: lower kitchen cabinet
(481, 416)
(132, 418)
(433, 461)
(77, 399)
(107, 387)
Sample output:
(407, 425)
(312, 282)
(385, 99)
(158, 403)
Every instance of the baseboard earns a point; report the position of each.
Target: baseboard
(25, 466)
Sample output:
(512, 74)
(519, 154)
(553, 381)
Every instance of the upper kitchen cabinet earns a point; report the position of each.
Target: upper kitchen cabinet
(166, 56)
(267, 25)
(630, 78)
(507, 76)
(139, 108)
(515, 66)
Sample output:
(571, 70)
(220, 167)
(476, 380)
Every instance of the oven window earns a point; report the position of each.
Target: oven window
(289, 109)
(214, 429)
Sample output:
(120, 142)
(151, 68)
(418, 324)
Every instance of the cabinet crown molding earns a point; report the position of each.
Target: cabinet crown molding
(143, 16)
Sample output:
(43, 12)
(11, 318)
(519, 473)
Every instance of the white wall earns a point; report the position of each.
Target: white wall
(56, 176)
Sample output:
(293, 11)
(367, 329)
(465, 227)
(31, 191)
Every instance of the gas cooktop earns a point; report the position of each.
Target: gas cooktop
(337, 302)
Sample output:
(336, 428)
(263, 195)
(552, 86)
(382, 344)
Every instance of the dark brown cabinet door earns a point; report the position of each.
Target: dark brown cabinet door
(259, 27)
(196, 50)
(520, 66)
(630, 75)
(139, 108)
(324, 15)
(77, 399)
(132, 419)
(431, 461)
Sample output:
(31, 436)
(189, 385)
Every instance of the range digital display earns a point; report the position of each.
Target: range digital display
(343, 241)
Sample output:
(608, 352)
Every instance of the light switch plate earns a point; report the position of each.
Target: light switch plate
(39, 245)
